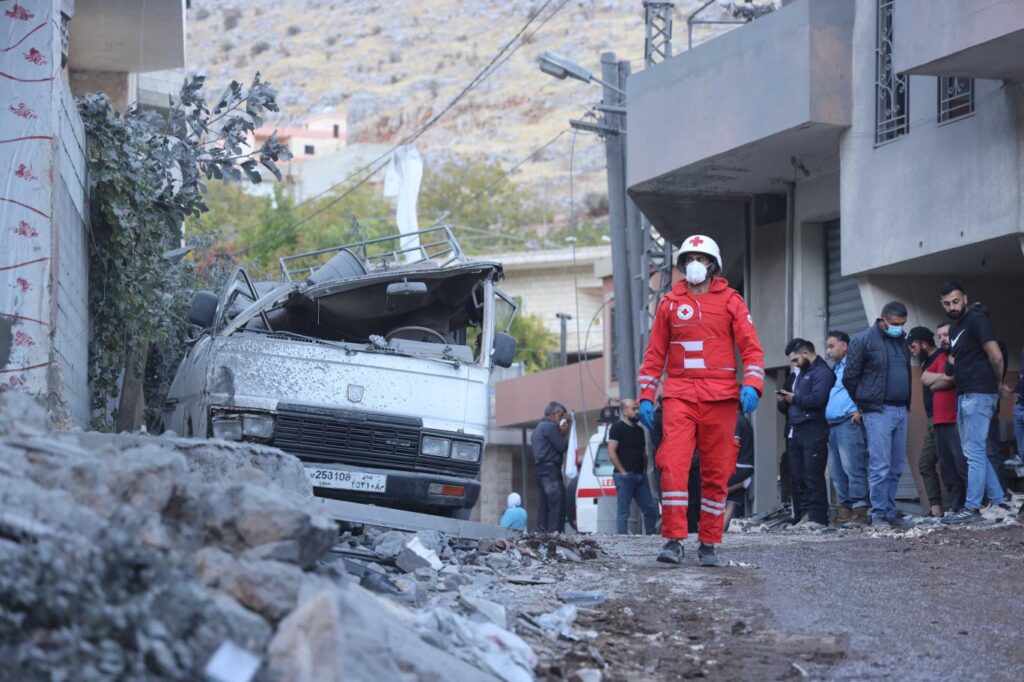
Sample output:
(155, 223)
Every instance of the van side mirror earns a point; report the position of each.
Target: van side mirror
(504, 350)
(203, 309)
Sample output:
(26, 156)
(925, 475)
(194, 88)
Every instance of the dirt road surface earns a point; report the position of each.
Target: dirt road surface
(839, 606)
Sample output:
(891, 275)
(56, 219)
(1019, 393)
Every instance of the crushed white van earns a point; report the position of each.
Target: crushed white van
(369, 361)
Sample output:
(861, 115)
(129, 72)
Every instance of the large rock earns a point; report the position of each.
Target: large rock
(347, 634)
(270, 588)
(20, 415)
(241, 517)
(147, 476)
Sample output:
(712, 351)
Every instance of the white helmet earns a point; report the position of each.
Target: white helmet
(700, 243)
(514, 500)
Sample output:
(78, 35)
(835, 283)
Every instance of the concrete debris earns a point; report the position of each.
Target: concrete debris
(484, 644)
(129, 556)
(587, 675)
(559, 624)
(232, 663)
(415, 556)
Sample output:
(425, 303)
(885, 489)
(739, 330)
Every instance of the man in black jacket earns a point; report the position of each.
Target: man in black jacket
(877, 377)
(549, 446)
(808, 434)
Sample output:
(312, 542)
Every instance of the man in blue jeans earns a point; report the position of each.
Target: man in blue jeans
(976, 365)
(1018, 407)
(877, 376)
(628, 451)
(847, 441)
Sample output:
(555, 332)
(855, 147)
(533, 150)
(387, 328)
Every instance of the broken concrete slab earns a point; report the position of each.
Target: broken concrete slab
(398, 519)
(414, 556)
(316, 643)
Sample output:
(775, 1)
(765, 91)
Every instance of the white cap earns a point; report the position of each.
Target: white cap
(700, 243)
(514, 500)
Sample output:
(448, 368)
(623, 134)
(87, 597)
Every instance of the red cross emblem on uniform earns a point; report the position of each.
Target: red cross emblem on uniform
(696, 241)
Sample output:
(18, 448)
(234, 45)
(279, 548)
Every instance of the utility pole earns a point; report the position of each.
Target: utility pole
(615, 152)
(563, 319)
(655, 252)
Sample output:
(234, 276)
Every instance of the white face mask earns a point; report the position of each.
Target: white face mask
(696, 272)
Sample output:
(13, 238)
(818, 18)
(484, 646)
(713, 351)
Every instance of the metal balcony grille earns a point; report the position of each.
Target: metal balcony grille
(892, 91)
(956, 98)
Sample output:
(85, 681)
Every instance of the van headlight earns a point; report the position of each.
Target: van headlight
(466, 452)
(243, 426)
(434, 446)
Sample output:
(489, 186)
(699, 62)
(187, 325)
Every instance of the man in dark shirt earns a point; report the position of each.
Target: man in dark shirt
(549, 446)
(736, 504)
(1018, 406)
(976, 365)
(877, 376)
(808, 434)
(627, 448)
(921, 343)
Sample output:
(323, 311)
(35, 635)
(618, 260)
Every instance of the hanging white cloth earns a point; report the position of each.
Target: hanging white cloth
(402, 180)
(571, 471)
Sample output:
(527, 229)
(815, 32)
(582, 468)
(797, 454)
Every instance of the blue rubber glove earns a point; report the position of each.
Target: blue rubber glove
(647, 413)
(749, 399)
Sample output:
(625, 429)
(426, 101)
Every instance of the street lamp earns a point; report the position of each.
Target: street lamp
(561, 67)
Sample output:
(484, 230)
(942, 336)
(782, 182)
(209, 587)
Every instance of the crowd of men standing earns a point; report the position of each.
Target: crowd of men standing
(852, 418)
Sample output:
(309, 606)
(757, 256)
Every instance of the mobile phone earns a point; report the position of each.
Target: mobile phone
(779, 391)
(563, 422)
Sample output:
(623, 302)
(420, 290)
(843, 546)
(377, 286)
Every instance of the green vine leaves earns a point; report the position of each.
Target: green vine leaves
(146, 171)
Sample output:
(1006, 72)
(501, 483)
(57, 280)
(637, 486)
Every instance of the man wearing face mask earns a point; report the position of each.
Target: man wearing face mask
(695, 333)
(877, 377)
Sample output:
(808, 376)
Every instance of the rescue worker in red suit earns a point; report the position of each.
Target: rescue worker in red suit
(693, 339)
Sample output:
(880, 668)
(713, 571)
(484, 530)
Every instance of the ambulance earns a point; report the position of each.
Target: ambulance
(595, 488)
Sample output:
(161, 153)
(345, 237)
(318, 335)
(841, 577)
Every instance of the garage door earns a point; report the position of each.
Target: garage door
(844, 307)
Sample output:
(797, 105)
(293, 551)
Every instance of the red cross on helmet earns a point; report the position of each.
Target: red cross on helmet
(700, 243)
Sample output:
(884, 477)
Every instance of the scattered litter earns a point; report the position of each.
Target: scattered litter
(740, 564)
(483, 644)
(490, 610)
(627, 612)
(800, 669)
(519, 579)
(566, 554)
(587, 675)
(232, 663)
(583, 597)
(558, 624)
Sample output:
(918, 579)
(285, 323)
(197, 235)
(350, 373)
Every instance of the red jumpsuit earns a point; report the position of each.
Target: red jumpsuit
(693, 341)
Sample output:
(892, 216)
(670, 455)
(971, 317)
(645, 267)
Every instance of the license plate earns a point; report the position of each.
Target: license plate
(341, 479)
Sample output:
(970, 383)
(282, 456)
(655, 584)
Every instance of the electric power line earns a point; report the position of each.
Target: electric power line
(378, 163)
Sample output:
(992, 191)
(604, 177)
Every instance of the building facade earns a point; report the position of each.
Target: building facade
(51, 51)
(844, 153)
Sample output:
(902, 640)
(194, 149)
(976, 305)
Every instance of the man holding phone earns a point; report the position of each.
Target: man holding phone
(549, 446)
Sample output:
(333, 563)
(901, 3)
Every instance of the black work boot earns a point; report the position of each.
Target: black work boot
(707, 557)
(671, 553)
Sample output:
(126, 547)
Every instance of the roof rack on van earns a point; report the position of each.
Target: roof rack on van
(435, 247)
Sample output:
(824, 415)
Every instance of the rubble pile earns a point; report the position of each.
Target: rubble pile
(128, 556)
(141, 557)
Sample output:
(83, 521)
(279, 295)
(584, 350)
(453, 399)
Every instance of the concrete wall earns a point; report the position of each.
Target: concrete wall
(546, 285)
(967, 38)
(121, 87)
(69, 369)
(784, 70)
(939, 187)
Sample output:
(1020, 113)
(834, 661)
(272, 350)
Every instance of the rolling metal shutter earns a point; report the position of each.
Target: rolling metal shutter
(844, 307)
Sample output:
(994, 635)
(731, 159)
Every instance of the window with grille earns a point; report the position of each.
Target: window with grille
(309, 151)
(892, 92)
(956, 98)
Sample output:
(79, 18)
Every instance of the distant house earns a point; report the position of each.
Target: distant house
(318, 136)
(52, 49)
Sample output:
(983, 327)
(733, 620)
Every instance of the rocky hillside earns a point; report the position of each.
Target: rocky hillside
(392, 65)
